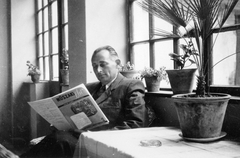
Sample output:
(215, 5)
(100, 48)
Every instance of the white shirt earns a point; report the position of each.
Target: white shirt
(108, 85)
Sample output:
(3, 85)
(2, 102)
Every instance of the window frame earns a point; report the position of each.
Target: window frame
(48, 72)
(232, 90)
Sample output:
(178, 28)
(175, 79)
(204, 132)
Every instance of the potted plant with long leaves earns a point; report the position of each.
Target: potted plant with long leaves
(200, 114)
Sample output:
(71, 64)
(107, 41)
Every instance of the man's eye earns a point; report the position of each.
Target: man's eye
(103, 64)
(94, 66)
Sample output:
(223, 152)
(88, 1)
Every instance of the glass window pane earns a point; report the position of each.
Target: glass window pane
(40, 45)
(40, 20)
(234, 17)
(159, 25)
(162, 49)
(46, 43)
(141, 56)
(45, 18)
(54, 14)
(45, 2)
(39, 4)
(65, 11)
(46, 64)
(55, 67)
(225, 72)
(55, 41)
(140, 23)
(65, 36)
(41, 67)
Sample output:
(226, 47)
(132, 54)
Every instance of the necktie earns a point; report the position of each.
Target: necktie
(100, 91)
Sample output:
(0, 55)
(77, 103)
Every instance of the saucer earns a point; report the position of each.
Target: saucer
(223, 134)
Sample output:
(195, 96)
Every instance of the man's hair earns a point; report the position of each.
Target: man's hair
(111, 50)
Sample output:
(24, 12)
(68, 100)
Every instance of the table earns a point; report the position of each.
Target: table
(127, 144)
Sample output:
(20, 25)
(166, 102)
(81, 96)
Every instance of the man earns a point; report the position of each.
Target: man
(5, 153)
(121, 100)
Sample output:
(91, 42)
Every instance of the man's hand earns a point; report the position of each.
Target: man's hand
(4, 153)
(77, 132)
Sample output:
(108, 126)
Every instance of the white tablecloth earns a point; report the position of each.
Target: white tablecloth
(127, 144)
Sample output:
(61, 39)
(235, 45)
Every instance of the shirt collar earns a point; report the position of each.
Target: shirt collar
(108, 85)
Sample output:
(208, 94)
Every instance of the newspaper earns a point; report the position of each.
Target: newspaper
(72, 109)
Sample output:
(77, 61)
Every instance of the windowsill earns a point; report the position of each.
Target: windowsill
(30, 82)
(169, 94)
(162, 93)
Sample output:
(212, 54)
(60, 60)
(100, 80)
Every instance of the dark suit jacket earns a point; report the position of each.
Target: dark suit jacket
(123, 103)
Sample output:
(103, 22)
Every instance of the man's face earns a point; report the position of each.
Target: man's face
(104, 67)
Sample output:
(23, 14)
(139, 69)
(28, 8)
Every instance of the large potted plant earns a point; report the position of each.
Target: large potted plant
(200, 114)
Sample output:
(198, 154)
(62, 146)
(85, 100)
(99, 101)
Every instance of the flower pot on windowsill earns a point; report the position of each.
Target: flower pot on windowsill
(64, 77)
(181, 81)
(35, 78)
(152, 83)
(130, 74)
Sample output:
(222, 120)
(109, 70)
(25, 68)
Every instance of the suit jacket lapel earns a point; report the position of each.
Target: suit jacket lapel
(110, 89)
(95, 89)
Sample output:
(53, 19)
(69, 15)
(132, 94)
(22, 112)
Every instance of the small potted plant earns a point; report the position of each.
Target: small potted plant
(33, 72)
(64, 67)
(128, 70)
(153, 77)
(183, 75)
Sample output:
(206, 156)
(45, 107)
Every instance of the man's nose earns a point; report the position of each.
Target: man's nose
(99, 69)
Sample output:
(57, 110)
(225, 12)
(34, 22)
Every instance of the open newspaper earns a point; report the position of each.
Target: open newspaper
(72, 109)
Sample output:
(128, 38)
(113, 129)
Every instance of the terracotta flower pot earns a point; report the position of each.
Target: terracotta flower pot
(130, 74)
(35, 78)
(201, 117)
(152, 84)
(64, 77)
(181, 80)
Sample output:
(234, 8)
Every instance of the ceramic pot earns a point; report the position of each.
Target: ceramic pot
(130, 74)
(201, 117)
(152, 84)
(35, 78)
(181, 81)
(64, 77)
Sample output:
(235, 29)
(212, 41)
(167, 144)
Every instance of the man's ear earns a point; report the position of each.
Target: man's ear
(118, 61)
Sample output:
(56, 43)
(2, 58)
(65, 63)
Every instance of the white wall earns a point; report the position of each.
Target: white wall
(94, 23)
(23, 39)
(23, 48)
(18, 44)
(106, 25)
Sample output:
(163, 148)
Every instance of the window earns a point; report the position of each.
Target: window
(148, 50)
(52, 36)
